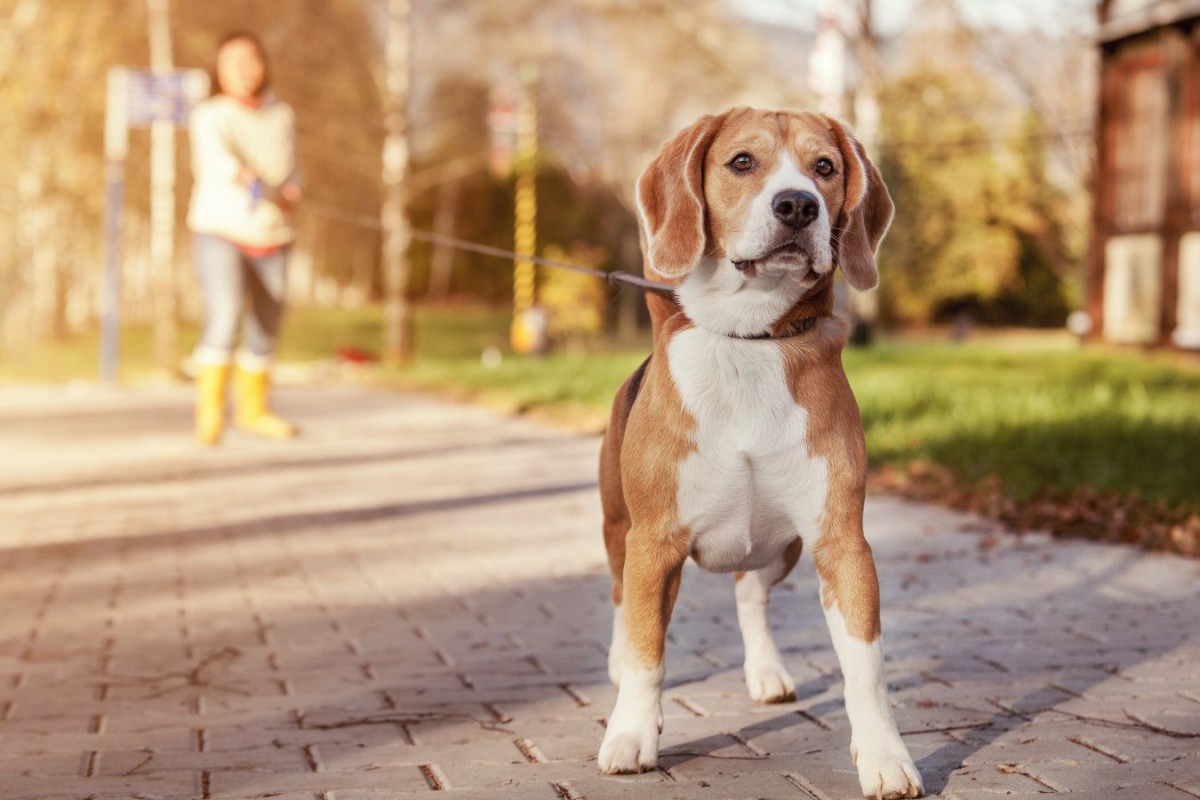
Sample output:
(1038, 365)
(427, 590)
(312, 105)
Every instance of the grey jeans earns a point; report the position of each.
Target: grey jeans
(228, 277)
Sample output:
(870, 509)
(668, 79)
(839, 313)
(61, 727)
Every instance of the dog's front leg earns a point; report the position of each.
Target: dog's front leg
(653, 565)
(850, 597)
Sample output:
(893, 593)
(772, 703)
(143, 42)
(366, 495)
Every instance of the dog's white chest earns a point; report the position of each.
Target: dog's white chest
(751, 484)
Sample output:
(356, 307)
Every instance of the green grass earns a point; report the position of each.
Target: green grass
(76, 358)
(1037, 419)
(309, 335)
(1032, 415)
(575, 387)
(572, 387)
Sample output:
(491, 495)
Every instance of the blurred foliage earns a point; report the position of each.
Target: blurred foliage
(575, 301)
(584, 217)
(979, 226)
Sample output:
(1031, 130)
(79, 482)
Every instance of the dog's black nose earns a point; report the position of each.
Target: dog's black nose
(795, 208)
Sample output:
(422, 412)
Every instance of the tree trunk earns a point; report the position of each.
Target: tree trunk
(442, 263)
(867, 125)
(397, 237)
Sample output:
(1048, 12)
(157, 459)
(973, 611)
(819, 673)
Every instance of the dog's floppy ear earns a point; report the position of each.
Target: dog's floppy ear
(670, 199)
(866, 212)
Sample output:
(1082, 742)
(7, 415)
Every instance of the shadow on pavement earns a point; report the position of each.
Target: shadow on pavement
(387, 622)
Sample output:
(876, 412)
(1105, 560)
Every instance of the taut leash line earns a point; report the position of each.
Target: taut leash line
(613, 278)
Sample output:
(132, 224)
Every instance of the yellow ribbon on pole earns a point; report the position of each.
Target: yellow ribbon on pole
(528, 327)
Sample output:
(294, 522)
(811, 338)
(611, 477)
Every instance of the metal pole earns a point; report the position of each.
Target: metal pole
(867, 117)
(116, 138)
(162, 196)
(110, 341)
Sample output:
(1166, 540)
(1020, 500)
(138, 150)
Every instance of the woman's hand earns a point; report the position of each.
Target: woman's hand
(289, 196)
(245, 176)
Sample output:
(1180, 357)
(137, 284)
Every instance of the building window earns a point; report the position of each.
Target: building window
(1132, 288)
(1140, 137)
(1189, 140)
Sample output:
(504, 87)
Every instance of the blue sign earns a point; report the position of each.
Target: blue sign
(165, 97)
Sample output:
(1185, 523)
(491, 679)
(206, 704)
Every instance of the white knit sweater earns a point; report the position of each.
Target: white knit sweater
(225, 136)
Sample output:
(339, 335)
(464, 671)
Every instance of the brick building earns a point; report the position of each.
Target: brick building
(1143, 284)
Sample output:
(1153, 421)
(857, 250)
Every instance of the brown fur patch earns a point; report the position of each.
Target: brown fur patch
(841, 555)
(818, 303)
(670, 194)
(866, 212)
(639, 462)
(791, 555)
(612, 498)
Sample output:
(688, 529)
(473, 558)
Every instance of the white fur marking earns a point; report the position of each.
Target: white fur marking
(761, 230)
(750, 486)
(718, 297)
(766, 676)
(885, 769)
(616, 651)
(631, 738)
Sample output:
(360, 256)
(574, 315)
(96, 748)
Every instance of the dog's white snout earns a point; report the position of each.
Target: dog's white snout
(785, 219)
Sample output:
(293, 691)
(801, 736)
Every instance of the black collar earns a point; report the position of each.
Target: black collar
(795, 328)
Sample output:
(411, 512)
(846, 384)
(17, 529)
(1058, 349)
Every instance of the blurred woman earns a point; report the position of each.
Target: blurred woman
(245, 188)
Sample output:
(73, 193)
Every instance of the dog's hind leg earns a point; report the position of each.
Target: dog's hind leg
(616, 513)
(616, 529)
(766, 677)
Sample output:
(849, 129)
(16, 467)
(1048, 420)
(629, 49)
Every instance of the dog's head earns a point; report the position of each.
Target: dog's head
(750, 209)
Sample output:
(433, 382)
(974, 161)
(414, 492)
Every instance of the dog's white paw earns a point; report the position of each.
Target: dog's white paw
(629, 747)
(631, 738)
(885, 770)
(769, 682)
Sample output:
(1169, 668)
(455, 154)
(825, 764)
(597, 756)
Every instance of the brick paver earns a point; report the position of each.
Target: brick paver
(412, 599)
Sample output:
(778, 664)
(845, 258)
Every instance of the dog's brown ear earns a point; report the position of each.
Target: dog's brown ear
(670, 199)
(866, 213)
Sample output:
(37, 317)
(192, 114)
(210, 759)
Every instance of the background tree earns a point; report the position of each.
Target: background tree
(982, 137)
(981, 227)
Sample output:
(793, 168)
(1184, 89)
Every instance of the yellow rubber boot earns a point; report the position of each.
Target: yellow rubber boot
(210, 402)
(252, 414)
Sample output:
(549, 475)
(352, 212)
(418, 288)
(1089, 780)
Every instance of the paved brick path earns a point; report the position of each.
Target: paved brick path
(411, 599)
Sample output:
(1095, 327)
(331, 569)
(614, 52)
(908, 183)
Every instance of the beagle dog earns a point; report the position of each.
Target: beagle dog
(739, 436)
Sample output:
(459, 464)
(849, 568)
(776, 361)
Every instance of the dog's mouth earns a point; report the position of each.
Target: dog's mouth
(790, 251)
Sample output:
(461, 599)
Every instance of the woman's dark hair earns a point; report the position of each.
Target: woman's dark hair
(241, 36)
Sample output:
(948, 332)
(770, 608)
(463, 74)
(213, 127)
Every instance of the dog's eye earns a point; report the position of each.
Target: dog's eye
(742, 162)
(824, 167)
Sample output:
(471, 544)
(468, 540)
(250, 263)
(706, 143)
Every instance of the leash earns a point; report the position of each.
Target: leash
(614, 278)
